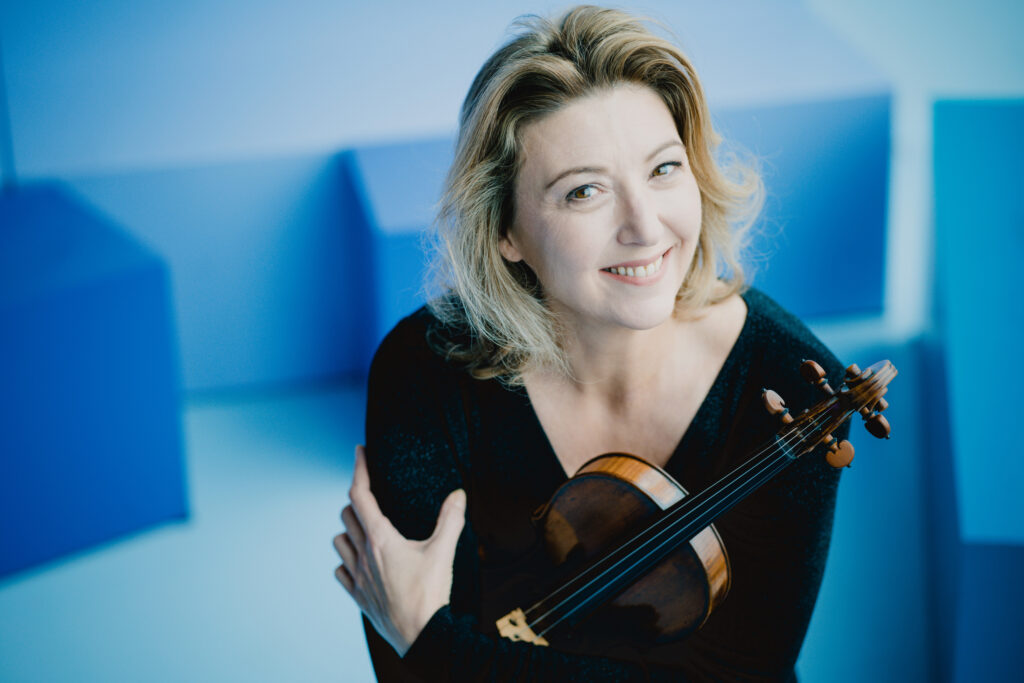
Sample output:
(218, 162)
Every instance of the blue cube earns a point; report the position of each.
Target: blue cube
(90, 401)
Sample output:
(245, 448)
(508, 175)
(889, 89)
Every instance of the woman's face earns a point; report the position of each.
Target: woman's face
(607, 211)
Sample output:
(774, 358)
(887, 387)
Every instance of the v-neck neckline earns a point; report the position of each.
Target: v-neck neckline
(718, 387)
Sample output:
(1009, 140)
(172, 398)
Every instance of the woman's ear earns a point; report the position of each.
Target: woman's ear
(508, 248)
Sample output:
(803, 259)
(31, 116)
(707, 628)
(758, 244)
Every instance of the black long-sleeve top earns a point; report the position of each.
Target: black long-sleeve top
(431, 428)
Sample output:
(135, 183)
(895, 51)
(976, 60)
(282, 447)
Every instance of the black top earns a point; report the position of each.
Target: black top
(431, 428)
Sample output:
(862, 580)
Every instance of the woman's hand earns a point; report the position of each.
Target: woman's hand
(397, 583)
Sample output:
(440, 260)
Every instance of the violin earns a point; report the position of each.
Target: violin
(626, 553)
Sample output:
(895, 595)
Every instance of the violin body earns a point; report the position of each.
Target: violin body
(626, 557)
(670, 600)
(678, 594)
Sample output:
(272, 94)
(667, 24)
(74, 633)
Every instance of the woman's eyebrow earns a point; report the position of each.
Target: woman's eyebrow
(599, 169)
(574, 171)
(661, 148)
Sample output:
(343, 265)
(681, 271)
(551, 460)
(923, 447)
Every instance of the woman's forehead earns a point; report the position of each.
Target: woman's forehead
(622, 124)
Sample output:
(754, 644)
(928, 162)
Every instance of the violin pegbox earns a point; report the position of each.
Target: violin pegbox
(874, 421)
(861, 392)
(840, 453)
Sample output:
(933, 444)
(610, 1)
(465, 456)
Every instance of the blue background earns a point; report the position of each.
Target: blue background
(254, 178)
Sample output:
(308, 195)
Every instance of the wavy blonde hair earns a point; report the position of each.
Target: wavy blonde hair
(496, 308)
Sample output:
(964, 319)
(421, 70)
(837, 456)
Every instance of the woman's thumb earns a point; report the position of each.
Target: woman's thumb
(451, 519)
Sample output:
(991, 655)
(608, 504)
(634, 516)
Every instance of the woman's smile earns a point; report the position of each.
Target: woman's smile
(642, 272)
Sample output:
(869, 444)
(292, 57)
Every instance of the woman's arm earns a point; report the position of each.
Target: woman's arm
(415, 460)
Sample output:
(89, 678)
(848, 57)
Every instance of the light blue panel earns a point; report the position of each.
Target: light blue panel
(979, 226)
(262, 260)
(90, 432)
(819, 247)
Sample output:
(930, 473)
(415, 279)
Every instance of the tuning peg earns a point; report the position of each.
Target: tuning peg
(852, 373)
(878, 426)
(774, 404)
(840, 454)
(815, 374)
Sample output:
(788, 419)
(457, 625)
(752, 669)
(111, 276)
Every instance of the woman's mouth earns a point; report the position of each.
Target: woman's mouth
(637, 271)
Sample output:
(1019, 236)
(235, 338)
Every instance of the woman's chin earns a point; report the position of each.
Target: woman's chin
(645, 317)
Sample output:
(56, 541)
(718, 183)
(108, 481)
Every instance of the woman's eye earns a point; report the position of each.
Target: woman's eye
(581, 192)
(666, 168)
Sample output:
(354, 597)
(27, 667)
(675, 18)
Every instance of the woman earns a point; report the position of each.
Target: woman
(584, 237)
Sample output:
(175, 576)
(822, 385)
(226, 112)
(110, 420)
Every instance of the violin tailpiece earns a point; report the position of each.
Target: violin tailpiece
(514, 627)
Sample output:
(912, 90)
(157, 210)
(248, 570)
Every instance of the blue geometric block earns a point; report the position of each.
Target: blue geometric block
(397, 188)
(979, 239)
(90, 426)
(819, 246)
(261, 256)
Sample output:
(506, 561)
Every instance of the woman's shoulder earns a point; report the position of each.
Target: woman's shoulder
(418, 341)
(777, 332)
(775, 343)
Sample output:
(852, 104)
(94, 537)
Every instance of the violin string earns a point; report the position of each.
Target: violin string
(680, 507)
(717, 499)
(668, 519)
(777, 452)
(728, 493)
(676, 538)
(600, 575)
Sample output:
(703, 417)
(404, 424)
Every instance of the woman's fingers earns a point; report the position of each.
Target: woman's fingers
(343, 576)
(450, 520)
(346, 573)
(348, 553)
(372, 520)
(352, 527)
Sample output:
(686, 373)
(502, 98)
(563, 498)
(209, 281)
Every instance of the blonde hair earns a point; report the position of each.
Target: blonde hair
(498, 324)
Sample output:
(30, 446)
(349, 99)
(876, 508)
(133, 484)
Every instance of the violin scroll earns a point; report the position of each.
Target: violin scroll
(861, 393)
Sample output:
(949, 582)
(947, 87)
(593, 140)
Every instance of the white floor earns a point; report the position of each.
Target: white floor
(242, 591)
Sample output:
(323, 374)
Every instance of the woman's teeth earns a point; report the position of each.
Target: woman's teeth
(640, 271)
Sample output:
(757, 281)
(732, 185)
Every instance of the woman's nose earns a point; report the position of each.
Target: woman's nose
(639, 223)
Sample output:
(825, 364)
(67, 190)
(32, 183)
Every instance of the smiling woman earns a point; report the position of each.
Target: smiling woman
(593, 303)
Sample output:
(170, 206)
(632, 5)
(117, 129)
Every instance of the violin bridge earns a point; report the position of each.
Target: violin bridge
(514, 627)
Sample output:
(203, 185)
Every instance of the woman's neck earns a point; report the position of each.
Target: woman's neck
(615, 366)
(619, 367)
